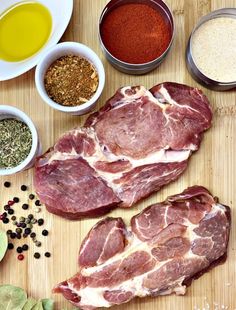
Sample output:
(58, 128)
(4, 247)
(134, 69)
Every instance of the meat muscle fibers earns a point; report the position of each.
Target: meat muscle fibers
(166, 246)
(139, 141)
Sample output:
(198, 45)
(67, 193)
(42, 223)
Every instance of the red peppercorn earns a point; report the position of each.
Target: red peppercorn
(20, 257)
(10, 202)
(3, 216)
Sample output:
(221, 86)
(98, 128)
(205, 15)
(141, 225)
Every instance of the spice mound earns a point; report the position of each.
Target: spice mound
(214, 49)
(71, 80)
(136, 33)
(15, 142)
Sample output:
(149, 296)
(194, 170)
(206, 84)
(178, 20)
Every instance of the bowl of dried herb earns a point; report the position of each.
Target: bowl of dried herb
(19, 142)
(70, 78)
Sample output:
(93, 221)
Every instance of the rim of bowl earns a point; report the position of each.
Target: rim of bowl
(168, 13)
(62, 47)
(14, 112)
(212, 15)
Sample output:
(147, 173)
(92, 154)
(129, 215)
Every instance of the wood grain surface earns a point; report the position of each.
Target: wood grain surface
(213, 166)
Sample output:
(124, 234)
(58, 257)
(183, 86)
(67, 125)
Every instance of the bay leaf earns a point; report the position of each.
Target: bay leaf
(30, 303)
(3, 244)
(12, 297)
(38, 306)
(47, 304)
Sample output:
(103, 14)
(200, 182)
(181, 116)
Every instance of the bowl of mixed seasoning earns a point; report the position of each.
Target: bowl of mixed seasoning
(19, 142)
(211, 50)
(136, 36)
(70, 78)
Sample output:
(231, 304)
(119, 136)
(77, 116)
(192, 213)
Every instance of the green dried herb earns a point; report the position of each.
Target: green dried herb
(15, 142)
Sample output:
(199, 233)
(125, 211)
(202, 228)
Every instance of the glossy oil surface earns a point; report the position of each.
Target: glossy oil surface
(24, 30)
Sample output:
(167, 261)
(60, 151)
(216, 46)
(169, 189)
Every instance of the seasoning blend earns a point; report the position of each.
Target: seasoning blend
(136, 36)
(211, 51)
(71, 80)
(70, 77)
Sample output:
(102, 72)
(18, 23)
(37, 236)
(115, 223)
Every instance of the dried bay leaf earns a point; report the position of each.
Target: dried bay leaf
(31, 302)
(47, 304)
(38, 306)
(12, 297)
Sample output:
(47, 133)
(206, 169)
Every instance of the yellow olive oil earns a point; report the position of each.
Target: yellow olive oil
(24, 30)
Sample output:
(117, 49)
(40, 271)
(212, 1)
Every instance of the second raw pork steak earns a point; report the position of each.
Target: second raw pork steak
(138, 142)
(166, 246)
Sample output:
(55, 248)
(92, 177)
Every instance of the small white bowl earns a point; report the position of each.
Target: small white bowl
(63, 49)
(12, 112)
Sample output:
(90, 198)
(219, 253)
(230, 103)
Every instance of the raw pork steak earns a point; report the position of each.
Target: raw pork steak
(167, 246)
(138, 142)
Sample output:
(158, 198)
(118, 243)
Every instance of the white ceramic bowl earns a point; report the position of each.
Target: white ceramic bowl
(61, 11)
(62, 49)
(12, 112)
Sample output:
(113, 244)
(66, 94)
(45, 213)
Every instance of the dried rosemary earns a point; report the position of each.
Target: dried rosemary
(71, 80)
(15, 142)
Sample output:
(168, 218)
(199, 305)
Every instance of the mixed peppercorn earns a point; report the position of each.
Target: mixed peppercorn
(24, 224)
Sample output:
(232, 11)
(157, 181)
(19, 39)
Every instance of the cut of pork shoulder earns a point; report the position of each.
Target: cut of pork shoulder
(167, 246)
(138, 142)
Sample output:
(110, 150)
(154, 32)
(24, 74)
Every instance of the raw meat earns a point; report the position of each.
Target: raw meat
(167, 246)
(138, 142)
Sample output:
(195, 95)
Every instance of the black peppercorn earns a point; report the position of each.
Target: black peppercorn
(7, 184)
(25, 206)
(4, 214)
(9, 231)
(10, 246)
(25, 235)
(33, 235)
(18, 236)
(25, 247)
(23, 225)
(13, 218)
(16, 199)
(5, 220)
(31, 196)
(36, 255)
(27, 231)
(47, 254)
(44, 232)
(37, 203)
(30, 216)
(11, 211)
(19, 249)
(13, 235)
(40, 222)
(23, 188)
(6, 207)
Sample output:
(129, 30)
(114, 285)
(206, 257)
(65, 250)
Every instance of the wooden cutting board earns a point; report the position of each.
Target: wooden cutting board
(213, 166)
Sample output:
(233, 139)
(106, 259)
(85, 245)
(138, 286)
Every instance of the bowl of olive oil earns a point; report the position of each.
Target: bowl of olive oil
(27, 29)
(27, 26)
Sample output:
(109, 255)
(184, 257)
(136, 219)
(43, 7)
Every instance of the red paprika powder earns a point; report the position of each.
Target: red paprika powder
(136, 33)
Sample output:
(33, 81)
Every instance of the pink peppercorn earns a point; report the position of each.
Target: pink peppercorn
(20, 257)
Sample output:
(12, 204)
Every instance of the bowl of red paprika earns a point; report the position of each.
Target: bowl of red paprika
(136, 35)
